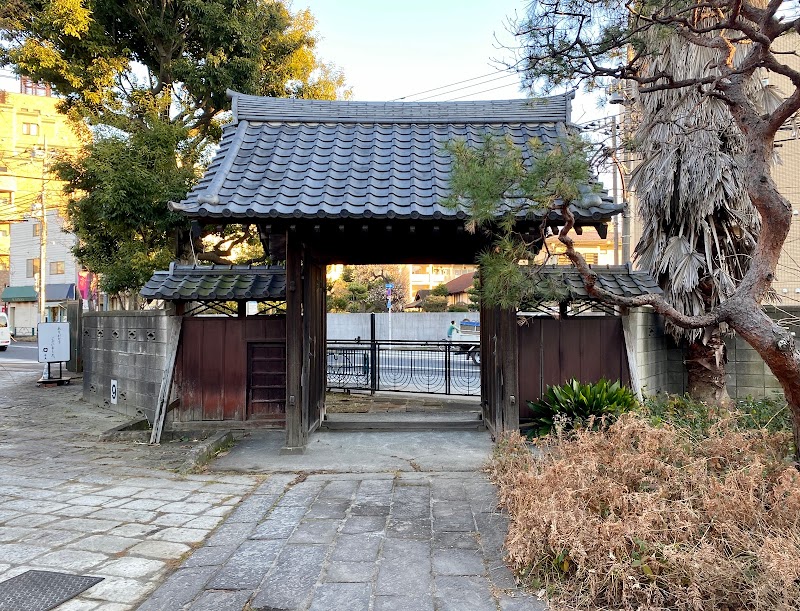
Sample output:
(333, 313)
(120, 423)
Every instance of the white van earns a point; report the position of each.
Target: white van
(5, 334)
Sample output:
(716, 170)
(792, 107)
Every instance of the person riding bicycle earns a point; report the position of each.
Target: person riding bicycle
(452, 329)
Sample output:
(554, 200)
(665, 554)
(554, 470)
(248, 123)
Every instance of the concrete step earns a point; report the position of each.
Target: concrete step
(404, 421)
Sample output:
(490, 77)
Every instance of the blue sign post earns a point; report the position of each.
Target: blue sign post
(389, 287)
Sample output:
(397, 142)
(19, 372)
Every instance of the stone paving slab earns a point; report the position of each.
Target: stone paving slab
(73, 504)
(310, 551)
(380, 537)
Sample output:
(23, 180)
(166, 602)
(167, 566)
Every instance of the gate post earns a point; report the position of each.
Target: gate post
(508, 359)
(373, 352)
(296, 429)
(447, 366)
(75, 320)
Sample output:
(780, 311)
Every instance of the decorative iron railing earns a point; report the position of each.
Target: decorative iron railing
(405, 366)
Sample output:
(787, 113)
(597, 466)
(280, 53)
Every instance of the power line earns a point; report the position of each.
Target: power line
(505, 76)
(477, 93)
(475, 78)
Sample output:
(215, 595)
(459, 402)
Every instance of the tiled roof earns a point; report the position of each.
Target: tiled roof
(620, 280)
(217, 283)
(462, 283)
(293, 159)
(541, 110)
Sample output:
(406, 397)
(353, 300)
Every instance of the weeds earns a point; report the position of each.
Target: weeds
(639, 516)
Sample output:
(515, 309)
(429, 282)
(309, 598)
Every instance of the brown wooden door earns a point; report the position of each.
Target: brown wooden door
(266, 381)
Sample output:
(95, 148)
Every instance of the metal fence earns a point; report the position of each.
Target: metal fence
(404, 366)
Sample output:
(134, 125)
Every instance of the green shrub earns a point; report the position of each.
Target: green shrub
(575, 405)
(681, 411)
(434, 303)
(696, 418)
(771, 414)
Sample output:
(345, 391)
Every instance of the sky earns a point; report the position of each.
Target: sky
(389, 49)
(394, 49)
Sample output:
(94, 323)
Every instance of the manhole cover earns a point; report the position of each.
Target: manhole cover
(42, 590)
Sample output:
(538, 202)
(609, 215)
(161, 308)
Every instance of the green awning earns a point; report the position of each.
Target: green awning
(19, 293)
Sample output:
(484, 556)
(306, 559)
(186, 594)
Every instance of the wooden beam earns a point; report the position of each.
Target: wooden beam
(296, 436)
(173, 341)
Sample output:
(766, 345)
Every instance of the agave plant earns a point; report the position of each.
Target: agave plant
(699, 227)
(574, 404)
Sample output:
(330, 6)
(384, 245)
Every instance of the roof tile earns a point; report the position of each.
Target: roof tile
(620, 280)
(287, 158)
(217, 283)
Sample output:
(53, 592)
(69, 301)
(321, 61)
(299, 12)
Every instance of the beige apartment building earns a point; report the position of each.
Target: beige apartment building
(32, 134)
(787, 176)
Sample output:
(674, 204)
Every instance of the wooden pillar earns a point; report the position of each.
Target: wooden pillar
(499, 369)
(508, 358)
(296, 432)
(486, 366)
(491, 374)
(323, 353)
(314, 312)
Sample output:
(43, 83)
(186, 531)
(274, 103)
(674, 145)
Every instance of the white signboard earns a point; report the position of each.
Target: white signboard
(113, 392)
(53, 342)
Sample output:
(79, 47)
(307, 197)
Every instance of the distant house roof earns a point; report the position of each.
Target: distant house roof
(619, 280)
(461, 284)
(217, 283)
(308, 159)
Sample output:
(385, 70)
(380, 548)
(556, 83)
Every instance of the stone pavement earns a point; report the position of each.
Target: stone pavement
(354, 542)
(377, 541)
(69, 503)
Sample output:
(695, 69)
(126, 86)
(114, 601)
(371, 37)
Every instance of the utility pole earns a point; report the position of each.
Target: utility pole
(43, 240)
(614, 186)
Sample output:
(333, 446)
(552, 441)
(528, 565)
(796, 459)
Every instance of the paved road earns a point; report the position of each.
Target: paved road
(407, 371)
(376, 541)
(20, 357)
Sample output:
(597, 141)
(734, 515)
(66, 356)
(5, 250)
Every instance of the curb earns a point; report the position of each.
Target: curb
(203, 453)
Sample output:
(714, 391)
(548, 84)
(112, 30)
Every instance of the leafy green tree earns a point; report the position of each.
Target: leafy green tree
(440, 290)
(136, 71)
(119, 204)
(363, 289)
(495, 189)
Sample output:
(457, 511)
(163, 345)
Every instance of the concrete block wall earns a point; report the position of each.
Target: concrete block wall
(747, 374)
(661, 367)
(129, 347)
(421, 326)
(659, 360)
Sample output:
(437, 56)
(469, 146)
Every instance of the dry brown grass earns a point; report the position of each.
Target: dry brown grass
(637, 517)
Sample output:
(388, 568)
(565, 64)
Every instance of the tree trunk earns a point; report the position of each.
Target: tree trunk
(777, 347)
(705, 366)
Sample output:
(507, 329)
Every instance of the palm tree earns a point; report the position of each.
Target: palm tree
(699, 226)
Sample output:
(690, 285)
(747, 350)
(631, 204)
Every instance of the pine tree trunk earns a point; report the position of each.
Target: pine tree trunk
(705, 366)
(777, 347)
(746, 316)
